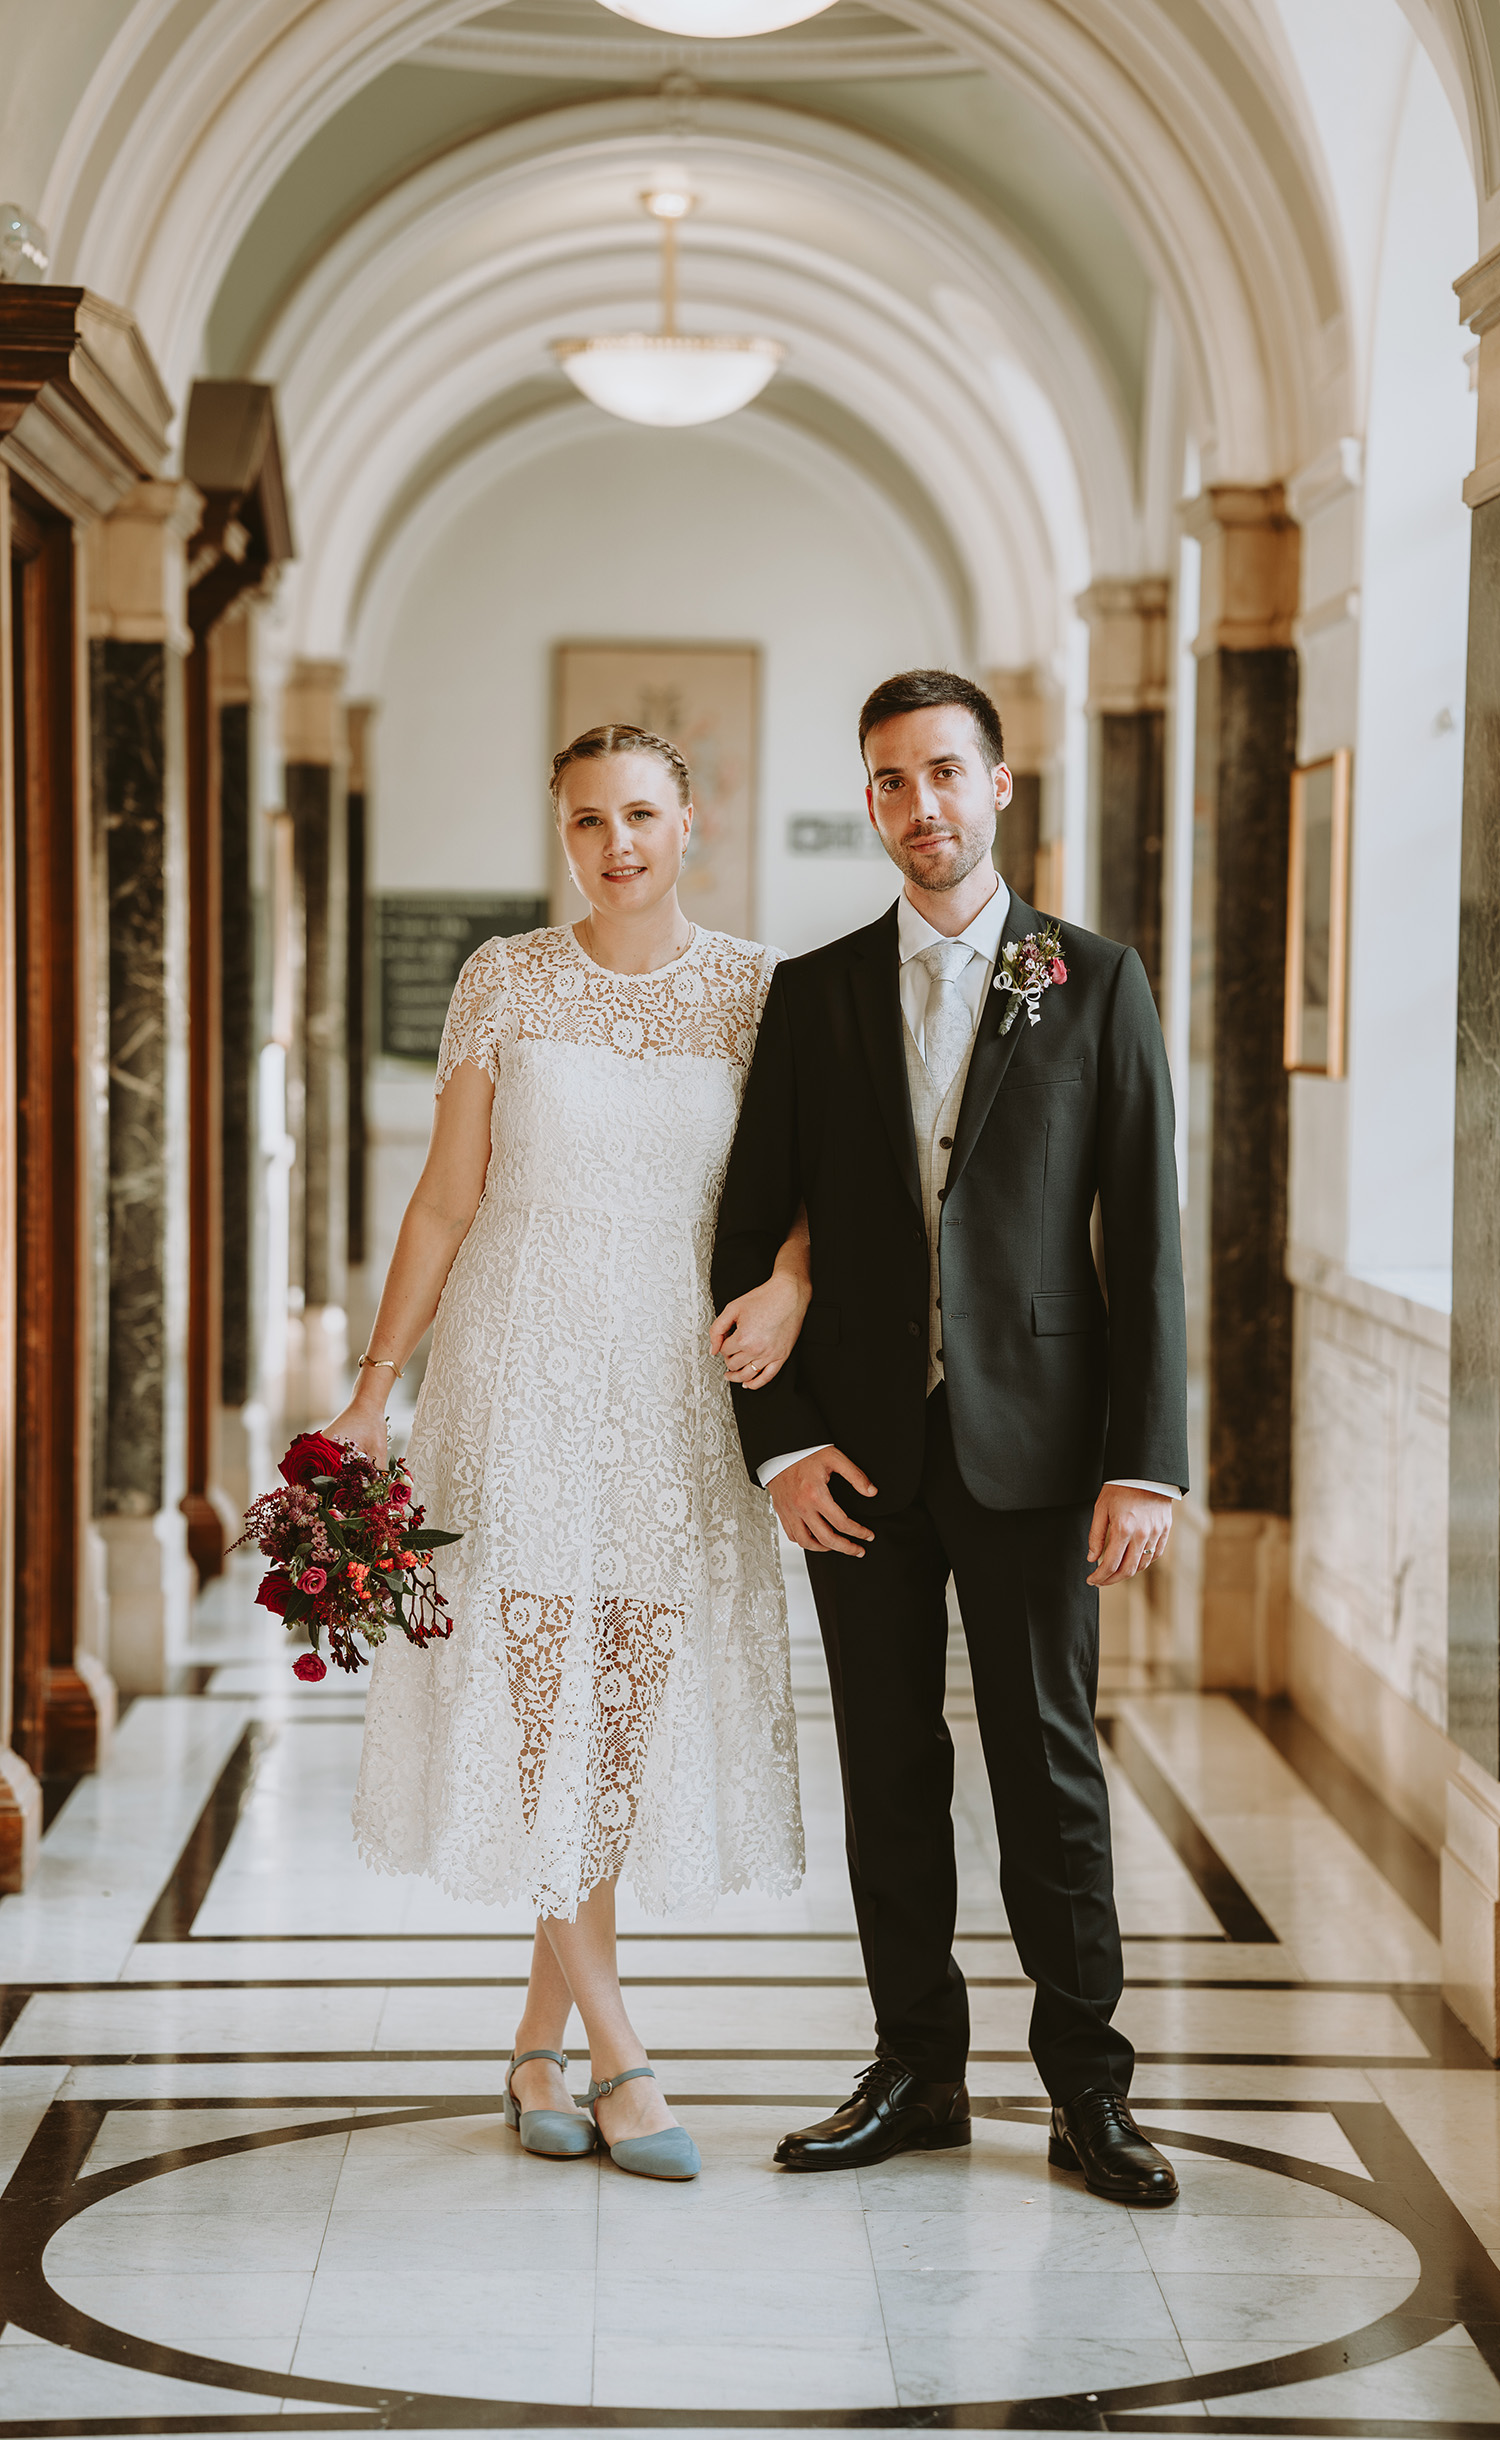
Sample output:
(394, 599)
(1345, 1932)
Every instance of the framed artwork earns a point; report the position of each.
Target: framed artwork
(1317, 917)
(705, 698)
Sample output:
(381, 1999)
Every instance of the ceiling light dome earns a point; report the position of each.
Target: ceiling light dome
(669, 377)
(717, 20)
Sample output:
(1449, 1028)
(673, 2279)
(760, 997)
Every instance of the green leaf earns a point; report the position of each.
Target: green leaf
(431, 1538)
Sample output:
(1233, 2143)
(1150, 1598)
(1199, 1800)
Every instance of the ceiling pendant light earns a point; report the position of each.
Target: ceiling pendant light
(669, 377)
(717, 20)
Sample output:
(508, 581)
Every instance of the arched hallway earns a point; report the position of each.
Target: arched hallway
(1118, 366)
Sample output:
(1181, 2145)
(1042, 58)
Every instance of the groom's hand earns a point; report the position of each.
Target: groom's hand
(809, 1512)
(1128, 1530)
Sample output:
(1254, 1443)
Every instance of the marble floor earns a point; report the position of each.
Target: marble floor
(258, 2181)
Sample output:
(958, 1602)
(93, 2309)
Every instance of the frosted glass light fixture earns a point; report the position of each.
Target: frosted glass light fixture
(23, 246)
(717, 20)
(669, 377)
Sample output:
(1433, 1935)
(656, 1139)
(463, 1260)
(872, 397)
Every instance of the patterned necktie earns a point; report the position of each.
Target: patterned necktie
(947, 1021)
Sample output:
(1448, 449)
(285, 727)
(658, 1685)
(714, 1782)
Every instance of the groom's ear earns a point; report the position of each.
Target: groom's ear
(1005, 786)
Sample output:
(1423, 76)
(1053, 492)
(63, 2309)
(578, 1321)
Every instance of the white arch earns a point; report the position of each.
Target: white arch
(448, 289)
(163, 170)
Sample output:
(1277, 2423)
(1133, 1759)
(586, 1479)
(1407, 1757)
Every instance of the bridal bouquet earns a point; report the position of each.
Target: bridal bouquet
(350, 1553)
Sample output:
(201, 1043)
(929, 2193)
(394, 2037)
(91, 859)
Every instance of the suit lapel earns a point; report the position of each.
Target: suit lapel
(874, 977)
(993, 1052)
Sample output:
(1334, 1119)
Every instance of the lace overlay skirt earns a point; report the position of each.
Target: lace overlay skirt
(616, 1695)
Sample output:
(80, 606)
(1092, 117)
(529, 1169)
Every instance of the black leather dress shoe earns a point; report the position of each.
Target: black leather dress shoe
(888, 2111)
(1096, 2133)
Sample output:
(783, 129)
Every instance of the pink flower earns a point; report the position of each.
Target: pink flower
(1059, 971)
(309, 1668)
(400, 1495)
(312, 1580)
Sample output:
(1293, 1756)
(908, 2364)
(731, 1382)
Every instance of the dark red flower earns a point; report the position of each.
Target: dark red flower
(400, 1494)
(311, 1453)
(310, 1668)
(275, 1592)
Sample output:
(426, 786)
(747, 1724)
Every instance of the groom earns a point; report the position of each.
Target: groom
(962, 1389)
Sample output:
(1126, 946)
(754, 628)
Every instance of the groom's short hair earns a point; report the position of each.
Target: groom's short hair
(926, 690)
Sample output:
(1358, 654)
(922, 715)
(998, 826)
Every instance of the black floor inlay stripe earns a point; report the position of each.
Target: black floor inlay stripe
(1413, 1871)
(1236, 1909)
(176, 1910)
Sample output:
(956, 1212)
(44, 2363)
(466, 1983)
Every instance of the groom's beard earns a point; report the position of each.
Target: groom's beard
(942, 871)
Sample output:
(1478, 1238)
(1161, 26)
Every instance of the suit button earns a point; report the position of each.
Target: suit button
(939, 1355)
(914, 1329)
(945, 1143)
(942, 1190)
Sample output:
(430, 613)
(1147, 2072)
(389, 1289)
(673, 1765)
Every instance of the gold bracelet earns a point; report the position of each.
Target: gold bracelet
(375, 1360)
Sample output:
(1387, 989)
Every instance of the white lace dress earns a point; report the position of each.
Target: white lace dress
(616, 1692)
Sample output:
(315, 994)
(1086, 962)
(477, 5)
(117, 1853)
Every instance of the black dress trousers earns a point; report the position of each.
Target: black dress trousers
(1032, 1626)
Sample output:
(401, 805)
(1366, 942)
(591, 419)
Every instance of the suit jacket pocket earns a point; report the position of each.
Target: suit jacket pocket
(820, 1326)
(1071, 1073)
(1057, 1312)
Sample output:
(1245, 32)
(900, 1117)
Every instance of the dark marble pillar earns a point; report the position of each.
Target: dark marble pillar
(1029, 707)
(134, 697)
(139, 643)
(1240, 1303)
(314, 736)
(1127, 620)
(237, 1033)
(356, 976)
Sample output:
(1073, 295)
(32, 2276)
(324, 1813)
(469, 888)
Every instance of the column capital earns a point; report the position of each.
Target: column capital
(313, 726)
(135, 566)
(1128, 642)
(1251, 553)
(1030, 705)
(1478, 293)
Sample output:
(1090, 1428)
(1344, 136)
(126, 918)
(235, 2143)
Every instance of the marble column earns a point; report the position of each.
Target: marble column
(1025, 850)
(1230, 1573)
(1127, 706)
(138, 639)
(232, 702)
(315, 748)
(1471, 1853)
(360, 718)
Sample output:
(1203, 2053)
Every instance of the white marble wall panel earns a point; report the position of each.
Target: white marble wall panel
(1370, 1478)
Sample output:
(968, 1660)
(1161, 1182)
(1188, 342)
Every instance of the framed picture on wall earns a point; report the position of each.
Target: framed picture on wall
(1317, 917)
(705, 698)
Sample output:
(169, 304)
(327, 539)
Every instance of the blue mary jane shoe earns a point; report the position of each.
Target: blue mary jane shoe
(551, 2134)
(671, 2152)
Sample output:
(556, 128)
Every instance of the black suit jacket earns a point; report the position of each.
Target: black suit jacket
(1050, 1392)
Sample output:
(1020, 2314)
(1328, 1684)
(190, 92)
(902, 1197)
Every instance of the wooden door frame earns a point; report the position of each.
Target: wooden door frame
(48, 1160)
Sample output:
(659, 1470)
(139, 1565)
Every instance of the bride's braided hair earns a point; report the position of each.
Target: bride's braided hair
(619, 737)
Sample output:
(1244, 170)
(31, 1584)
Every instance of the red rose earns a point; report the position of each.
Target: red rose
(1059, 971)
(312, 1580)
(400, 1495)
(275, 1592)
(309, 1668)
(311, 1453)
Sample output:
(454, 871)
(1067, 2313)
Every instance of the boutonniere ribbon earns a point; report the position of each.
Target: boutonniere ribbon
(1028, 968)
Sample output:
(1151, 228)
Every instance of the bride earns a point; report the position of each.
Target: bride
(616, 1694)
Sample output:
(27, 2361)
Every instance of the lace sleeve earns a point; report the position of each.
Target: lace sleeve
(476, 1013)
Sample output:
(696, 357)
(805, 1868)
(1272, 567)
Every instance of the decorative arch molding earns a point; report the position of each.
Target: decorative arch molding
(197, 109)
(426, 515)
(442, 366)
(536, 225)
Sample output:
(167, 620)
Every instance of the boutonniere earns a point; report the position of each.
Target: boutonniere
(1028, 968)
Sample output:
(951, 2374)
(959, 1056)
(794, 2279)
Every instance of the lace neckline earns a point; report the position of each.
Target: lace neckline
(612, 974)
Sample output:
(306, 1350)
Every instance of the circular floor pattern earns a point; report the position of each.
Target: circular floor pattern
(54, 2196)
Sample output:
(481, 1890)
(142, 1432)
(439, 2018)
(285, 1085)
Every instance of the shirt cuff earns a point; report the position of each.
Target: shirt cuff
(778, 1465)
(1128, 1482)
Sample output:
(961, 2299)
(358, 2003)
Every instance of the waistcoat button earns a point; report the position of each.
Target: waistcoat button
(945, 1143)
(915, 1329)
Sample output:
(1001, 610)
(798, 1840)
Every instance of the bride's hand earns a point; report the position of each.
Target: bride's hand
(756, 1332)
(365, 1427)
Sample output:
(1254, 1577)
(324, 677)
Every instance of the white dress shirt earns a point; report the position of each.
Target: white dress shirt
(914, 934)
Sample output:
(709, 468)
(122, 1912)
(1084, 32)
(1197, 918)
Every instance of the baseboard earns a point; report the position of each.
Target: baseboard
(1404, 1757)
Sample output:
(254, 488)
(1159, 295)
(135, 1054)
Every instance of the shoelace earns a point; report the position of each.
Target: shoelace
(879, 2072)
(1105, 2110)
